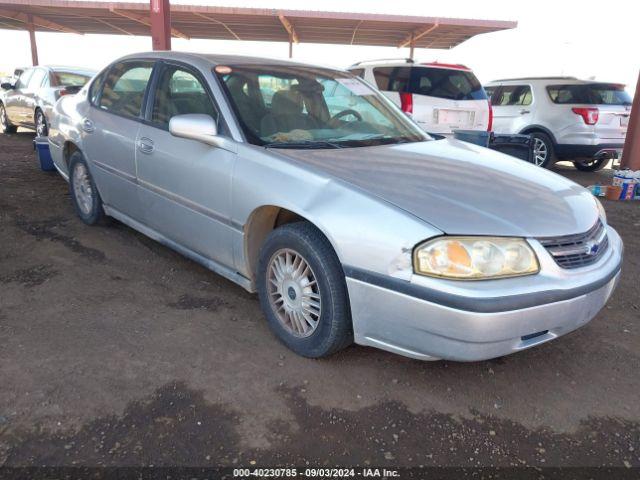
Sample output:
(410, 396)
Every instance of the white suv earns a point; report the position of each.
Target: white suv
(581, 121)
(439, 97)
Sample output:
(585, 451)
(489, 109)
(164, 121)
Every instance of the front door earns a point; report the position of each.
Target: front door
(185, 185)
(110, 130)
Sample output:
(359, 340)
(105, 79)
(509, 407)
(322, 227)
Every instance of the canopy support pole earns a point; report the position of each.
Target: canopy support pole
(161, 24)
(290, 47)
(32, 38)
(631, 153)
(411, 48)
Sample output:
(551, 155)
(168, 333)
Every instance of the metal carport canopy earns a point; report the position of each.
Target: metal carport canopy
(252, 24)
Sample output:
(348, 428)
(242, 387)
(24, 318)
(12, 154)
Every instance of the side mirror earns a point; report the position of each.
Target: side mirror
(196, 126)
(6, 86)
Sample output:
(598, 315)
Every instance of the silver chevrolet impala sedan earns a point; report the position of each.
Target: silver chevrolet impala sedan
(307, 185)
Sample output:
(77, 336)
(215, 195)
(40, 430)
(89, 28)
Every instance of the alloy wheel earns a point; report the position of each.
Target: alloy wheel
(293, 291)
(82, 188)
(3, 118)
(540, 152)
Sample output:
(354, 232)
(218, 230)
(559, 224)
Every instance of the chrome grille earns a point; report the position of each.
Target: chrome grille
(574, 251)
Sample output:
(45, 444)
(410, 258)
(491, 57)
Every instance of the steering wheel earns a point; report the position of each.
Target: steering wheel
(344, 113)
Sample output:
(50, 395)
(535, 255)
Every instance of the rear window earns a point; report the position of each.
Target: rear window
(70, 79)
(444, 83)
(591, 94)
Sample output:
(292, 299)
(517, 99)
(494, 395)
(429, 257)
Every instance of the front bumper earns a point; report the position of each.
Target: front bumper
(475, 328)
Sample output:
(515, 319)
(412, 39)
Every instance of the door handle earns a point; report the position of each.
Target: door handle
(524, 110)
(87, 125)
(145, 145)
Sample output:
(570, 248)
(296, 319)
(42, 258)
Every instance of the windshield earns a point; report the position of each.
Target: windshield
(307, 107)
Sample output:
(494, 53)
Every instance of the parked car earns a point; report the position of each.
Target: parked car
(578, 120)
(351, 226)
(440, 97)
(28, 101)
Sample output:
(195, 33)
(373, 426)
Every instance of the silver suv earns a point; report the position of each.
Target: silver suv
(581, 121)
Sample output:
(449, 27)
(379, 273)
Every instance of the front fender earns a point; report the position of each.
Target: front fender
(364, 230)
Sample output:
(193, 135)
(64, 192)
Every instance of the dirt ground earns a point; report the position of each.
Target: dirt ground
(114, 350)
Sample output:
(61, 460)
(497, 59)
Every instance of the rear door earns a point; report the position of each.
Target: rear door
(110, 131)
(512, 108)
(29, 95)
(185, 185)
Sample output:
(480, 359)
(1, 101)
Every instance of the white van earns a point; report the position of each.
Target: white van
(440, 97)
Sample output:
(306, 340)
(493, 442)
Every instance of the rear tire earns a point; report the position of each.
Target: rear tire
(5, 125)
(303, 292)
(591, 165)
(84, 194)
(544, 154)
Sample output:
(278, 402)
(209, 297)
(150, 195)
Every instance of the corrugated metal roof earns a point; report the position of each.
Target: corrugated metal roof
(252, 24)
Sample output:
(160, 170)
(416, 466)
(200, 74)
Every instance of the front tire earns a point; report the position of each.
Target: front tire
(84, 194)
(5, 126)
(543, 150)
(303, 292)
(42, 129)
(591, 165)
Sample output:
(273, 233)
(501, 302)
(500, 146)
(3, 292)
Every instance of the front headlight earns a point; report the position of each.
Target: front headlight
(475, 258)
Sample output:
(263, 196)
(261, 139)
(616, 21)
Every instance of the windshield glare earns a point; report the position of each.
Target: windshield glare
(306, 107)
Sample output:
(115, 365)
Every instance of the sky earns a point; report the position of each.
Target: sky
(559, 37)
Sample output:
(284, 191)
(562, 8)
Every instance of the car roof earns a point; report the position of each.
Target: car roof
(541, 80)
(221, 59)
(407, 63)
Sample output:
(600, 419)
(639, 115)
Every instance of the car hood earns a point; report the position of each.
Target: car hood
(461, 188)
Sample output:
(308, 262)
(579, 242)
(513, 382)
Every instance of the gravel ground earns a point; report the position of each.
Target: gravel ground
(115, 350)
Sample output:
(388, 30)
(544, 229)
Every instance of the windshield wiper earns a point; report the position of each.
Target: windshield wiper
(310, 144)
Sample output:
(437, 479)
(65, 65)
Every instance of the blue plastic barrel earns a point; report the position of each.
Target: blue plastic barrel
(41, 146)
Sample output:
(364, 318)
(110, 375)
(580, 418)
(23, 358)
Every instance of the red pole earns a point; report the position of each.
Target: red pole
(631, 153)
(32, 38)
(161, 24)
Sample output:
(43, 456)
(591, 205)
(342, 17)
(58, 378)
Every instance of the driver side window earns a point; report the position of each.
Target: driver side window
(180, 92)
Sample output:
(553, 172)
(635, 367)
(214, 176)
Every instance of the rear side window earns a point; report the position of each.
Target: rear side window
(490, 91)
(450, 84)
(124, 88)
(392, 79)
(513, 95)
(35, 82)
(567, 94)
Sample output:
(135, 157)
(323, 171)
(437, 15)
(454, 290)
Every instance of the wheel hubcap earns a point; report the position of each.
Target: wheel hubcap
(39, 124)
(540, 152)
(82, 188)
(293, 291)
(3, 117)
